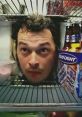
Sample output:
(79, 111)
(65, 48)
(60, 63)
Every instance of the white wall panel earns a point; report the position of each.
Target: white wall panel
(5, 32)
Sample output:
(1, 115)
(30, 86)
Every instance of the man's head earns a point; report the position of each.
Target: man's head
(35, 47)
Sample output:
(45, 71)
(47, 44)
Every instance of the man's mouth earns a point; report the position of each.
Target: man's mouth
(34, 73)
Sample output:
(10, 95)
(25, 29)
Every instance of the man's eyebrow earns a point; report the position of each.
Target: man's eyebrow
(41, 44)
(22, 43)
(45, 43)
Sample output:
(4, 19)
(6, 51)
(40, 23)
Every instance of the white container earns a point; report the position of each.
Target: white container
(6, 69)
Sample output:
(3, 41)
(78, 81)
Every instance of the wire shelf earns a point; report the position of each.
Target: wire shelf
(37, 98)
(71, 9)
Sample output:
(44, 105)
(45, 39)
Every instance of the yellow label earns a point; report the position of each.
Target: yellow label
(74, 46)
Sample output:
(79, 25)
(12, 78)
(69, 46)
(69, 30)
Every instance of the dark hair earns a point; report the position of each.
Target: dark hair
(34, 23)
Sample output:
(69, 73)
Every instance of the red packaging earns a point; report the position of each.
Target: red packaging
(71, 5)
(55, 7)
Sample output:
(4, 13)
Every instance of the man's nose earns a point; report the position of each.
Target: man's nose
(33, 60)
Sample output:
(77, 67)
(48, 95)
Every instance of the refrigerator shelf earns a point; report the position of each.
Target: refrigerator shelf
(37, 98)
(14, 17)
(23, 7)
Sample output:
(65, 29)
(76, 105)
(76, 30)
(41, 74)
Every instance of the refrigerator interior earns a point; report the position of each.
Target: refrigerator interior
(49, 97)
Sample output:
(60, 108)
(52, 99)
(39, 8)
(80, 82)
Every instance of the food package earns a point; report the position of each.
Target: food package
(54, 7)
(72, 6)
(70, 72)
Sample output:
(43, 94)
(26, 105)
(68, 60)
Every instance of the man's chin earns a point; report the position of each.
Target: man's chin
(36, 80)
(32, 80)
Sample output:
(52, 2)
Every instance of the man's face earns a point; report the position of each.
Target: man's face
(36, 54)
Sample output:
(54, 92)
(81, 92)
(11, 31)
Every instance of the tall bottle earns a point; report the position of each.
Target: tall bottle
(67, 37)
(80, 49)
(50, 7)
(75, 38)
(81, 33)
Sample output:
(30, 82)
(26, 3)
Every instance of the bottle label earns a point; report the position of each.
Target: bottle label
(81, 36)
(73, 38)
(67, 38)
(78, 36)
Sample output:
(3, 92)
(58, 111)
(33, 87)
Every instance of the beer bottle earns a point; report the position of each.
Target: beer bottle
(50, 8)
(81, 33)
(80, 49)
(67, 37)
(75, 38)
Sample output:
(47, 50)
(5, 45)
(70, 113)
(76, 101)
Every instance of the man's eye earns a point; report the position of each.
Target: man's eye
(25, 50)
(43, 51)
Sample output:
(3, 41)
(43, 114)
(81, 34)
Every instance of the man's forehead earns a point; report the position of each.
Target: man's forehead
(35, 38)
(43, 33)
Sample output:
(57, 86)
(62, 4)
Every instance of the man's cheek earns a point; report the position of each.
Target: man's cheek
(21, 62)
(50, 61)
